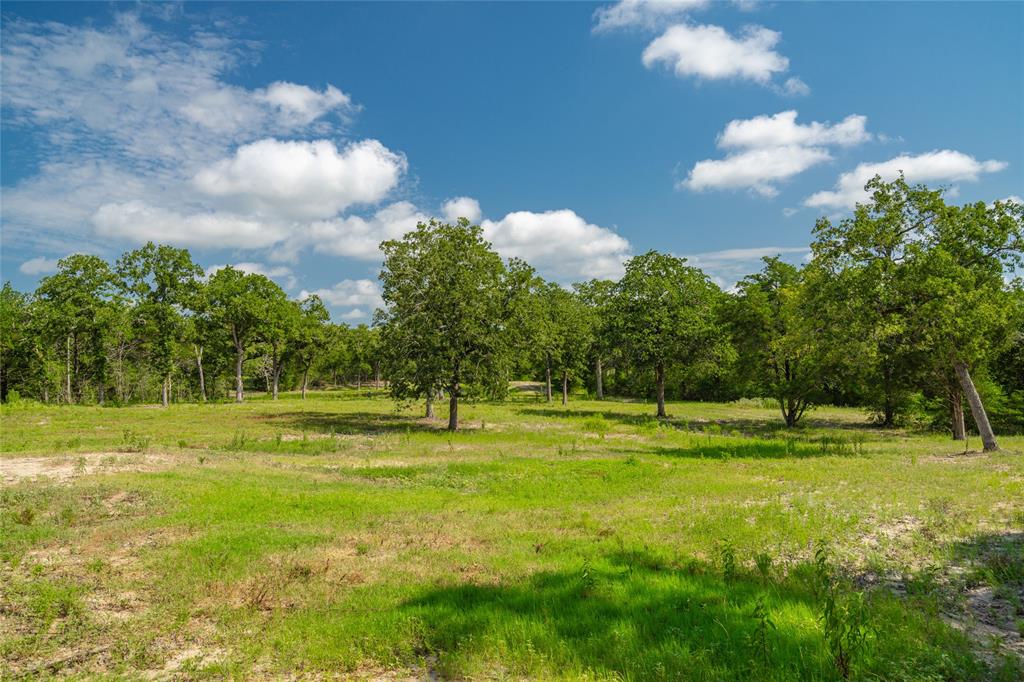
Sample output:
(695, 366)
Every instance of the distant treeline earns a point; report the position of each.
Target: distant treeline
(908, 308)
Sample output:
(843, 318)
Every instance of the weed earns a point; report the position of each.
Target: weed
(588, 582)
(763, 561)
(133, 442)
(727, 558)
(843, 613)
(760, 641)
(25, 516)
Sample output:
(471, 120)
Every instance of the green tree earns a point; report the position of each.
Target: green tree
(965, 309)
(446, 294)
(159, 281)
(16, 339)
(597, 294)
(770, 330)
(239, 304)
(664, 314)
(71, 311)
(861, 287)
(309, 335)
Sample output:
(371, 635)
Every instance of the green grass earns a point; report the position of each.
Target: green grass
(340, 534)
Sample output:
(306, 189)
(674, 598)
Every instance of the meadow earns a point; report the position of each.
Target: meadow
(338, 536)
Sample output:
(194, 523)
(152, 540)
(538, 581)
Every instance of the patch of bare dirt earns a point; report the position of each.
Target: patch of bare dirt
(63, 469)
(990, 620)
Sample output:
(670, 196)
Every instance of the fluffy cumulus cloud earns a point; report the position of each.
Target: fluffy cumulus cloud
(461, 207)
(643, 13)
(356, 294)
(302, 180)
(138, 222)
(130, 122)
(938, 166)
(280, 273)
(560, 244)
(709, 52)
(359, 237)
(38, 266)
(766, 150)
(782, 130)
(729, 266)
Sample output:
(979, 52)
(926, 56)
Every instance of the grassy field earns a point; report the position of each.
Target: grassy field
(340, 537)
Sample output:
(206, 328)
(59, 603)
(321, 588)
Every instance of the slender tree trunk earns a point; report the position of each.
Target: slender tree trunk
(547, 379)
(599, 378)
(239, 358)
(453, 408)
(276, 369)
(565, 388)
(661, 390)
(988, 438)
(67, 373)
(164, 397)
(305, 380)
(956, 411)
(430, 404)
(202, 377)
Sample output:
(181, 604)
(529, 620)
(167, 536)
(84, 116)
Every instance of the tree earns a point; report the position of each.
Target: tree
(159, 281)
(309, 335)
(445, 292)
(664, 313)
(597, 295)
(776, 348)
(16, 339)
(861, 283)
(966, 311)
(71, 302)
(570, 334)
(239, 304)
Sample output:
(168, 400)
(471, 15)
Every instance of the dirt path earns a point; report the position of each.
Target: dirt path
(15, 469)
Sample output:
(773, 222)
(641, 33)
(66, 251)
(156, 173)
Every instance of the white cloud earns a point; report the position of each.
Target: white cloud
(280, 273)
(643, 13)
(772, 149)
(757, 169)
(937, 166)
(300, 105)
(560, 244)
(710, 53)
(38, 266)
(355, 315)
(350, 293)
(461, 207)
(795, 87)
(782, 129)
(302, 180)
(729, 266)
(359, 237)
(138, 222)
(125, 118)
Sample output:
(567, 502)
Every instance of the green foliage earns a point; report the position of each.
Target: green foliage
(843, 613)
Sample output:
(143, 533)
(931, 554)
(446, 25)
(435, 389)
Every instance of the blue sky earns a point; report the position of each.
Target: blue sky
(292, 138)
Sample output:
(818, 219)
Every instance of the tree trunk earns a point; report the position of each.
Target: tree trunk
(661, 391)
(239, 358)
(67, 373)
(305, 381)
(956, 411)
(599, 379)
(547, 379)
(565, 388)
(988, 438)
(430, 404)
(277, 378)
(202, 377)
(453, 408)
(164, 397)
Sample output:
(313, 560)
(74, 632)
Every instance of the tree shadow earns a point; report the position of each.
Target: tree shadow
(758, 449)
(737, 426)
(630, 615)
(354, 423)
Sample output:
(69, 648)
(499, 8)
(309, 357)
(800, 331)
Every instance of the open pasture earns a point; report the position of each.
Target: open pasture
(340, 537)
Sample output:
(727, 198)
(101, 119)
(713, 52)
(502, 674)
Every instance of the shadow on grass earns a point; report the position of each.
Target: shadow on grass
(758, 449)
(996, 559)
(735, 426)
(354, 423)
(630, 616)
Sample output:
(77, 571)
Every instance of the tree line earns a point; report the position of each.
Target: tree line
(907, 308)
